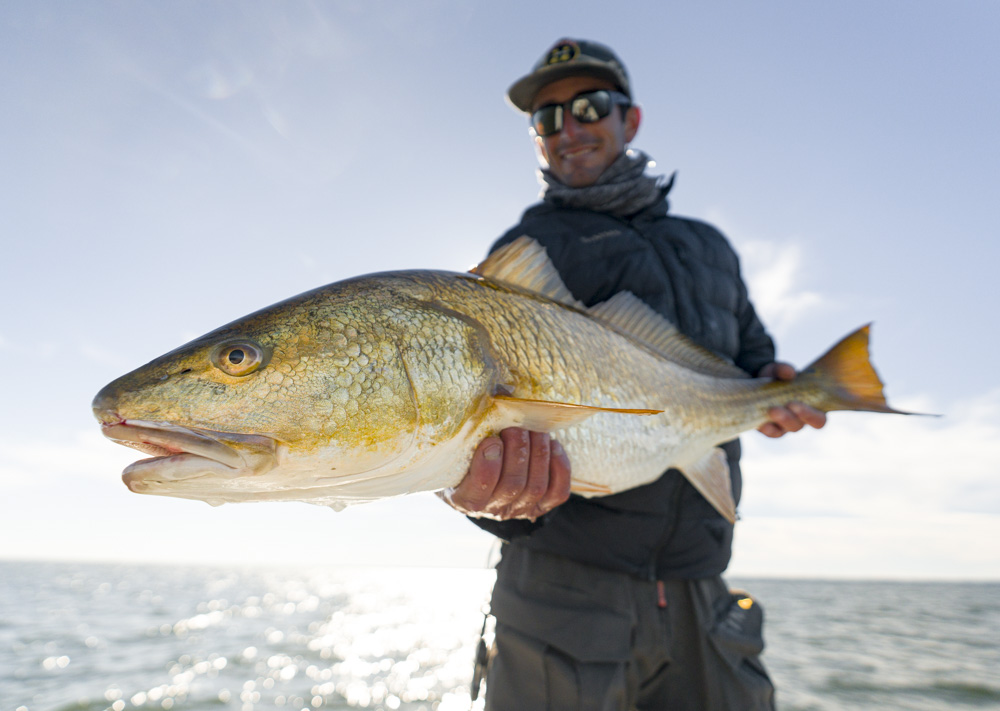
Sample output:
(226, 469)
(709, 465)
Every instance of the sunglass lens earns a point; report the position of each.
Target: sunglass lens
(590, 107)
(547, 120)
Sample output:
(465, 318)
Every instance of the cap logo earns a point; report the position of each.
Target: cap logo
(562, 52)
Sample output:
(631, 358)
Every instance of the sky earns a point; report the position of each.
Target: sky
(169, 167)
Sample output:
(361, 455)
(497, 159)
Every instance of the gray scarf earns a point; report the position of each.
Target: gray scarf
(621, 190)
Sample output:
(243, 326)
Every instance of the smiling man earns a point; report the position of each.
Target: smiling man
(618, 602)
(577, 152)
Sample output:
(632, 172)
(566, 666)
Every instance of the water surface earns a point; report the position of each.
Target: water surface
(87, 637)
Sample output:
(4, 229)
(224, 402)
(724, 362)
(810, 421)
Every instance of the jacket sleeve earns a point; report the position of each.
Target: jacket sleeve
(756, 346)
(507, 530)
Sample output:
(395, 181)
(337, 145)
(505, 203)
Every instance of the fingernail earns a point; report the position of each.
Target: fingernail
(493, 452)
(556, 448)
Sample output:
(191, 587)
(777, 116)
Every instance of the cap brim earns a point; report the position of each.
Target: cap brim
(521, 93)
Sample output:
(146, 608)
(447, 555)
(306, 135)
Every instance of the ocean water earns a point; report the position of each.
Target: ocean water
(82, 637)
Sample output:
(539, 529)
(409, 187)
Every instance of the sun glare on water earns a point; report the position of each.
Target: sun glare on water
(145, 637)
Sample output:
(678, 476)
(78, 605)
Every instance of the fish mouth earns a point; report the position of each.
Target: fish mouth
(184, 454)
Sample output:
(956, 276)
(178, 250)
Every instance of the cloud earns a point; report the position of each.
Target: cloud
(876, 496)
(37, 463)
(881, 466)
(774, 272)
(219, 81)
(941, 546)
(64, 500)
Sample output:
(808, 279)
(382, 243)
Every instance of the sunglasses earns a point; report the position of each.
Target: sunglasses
(585, 107)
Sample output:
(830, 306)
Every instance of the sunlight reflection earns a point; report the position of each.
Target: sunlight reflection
(256, 639)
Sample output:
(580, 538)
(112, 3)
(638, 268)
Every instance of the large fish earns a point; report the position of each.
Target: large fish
(384, 385)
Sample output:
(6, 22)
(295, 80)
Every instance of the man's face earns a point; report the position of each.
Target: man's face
(580, 152)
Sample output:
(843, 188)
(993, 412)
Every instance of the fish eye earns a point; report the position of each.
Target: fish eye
(238, 358)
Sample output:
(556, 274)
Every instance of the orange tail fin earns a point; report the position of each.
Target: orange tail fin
(847, 371)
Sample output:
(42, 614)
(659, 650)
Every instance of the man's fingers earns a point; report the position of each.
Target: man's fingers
(476, 490)
(559, 480)
(514, 472)
(809, 415)
(784, 371)
(777, 371)
(518, 474)
(785, 419)
(536, 483)
(771, 430)
(792, 418)
(538, 469)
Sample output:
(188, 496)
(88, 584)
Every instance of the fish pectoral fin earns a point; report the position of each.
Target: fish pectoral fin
(545, 416)
(585, 488)
(710, 476)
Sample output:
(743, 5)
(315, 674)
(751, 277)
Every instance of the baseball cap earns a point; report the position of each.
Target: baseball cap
(566, 58)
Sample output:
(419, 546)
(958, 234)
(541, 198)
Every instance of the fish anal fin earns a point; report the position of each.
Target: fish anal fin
(710, 476)
(545, 416)
(632, 316)
(525, 264)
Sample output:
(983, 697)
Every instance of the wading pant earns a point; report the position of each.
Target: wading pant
(574, 637)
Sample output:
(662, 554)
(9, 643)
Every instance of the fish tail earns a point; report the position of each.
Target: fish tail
(849, 378)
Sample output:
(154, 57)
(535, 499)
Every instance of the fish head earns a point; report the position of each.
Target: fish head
(267, 406)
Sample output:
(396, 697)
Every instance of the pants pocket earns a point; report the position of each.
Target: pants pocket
(737, 636)
(527, 674)
(583, 612)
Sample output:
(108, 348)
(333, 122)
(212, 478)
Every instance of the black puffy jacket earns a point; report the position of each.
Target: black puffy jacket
(687, 271)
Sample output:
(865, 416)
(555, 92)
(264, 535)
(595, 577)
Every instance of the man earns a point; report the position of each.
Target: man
(617, 602)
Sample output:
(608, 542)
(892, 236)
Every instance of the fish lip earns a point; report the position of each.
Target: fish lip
(164, 440)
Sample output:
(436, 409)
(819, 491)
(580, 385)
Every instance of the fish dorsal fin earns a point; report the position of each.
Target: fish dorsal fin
(524, 263)
(630, 314)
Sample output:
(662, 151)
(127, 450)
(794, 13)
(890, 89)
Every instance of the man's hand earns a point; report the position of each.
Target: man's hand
(793, 416)
(519, 474)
